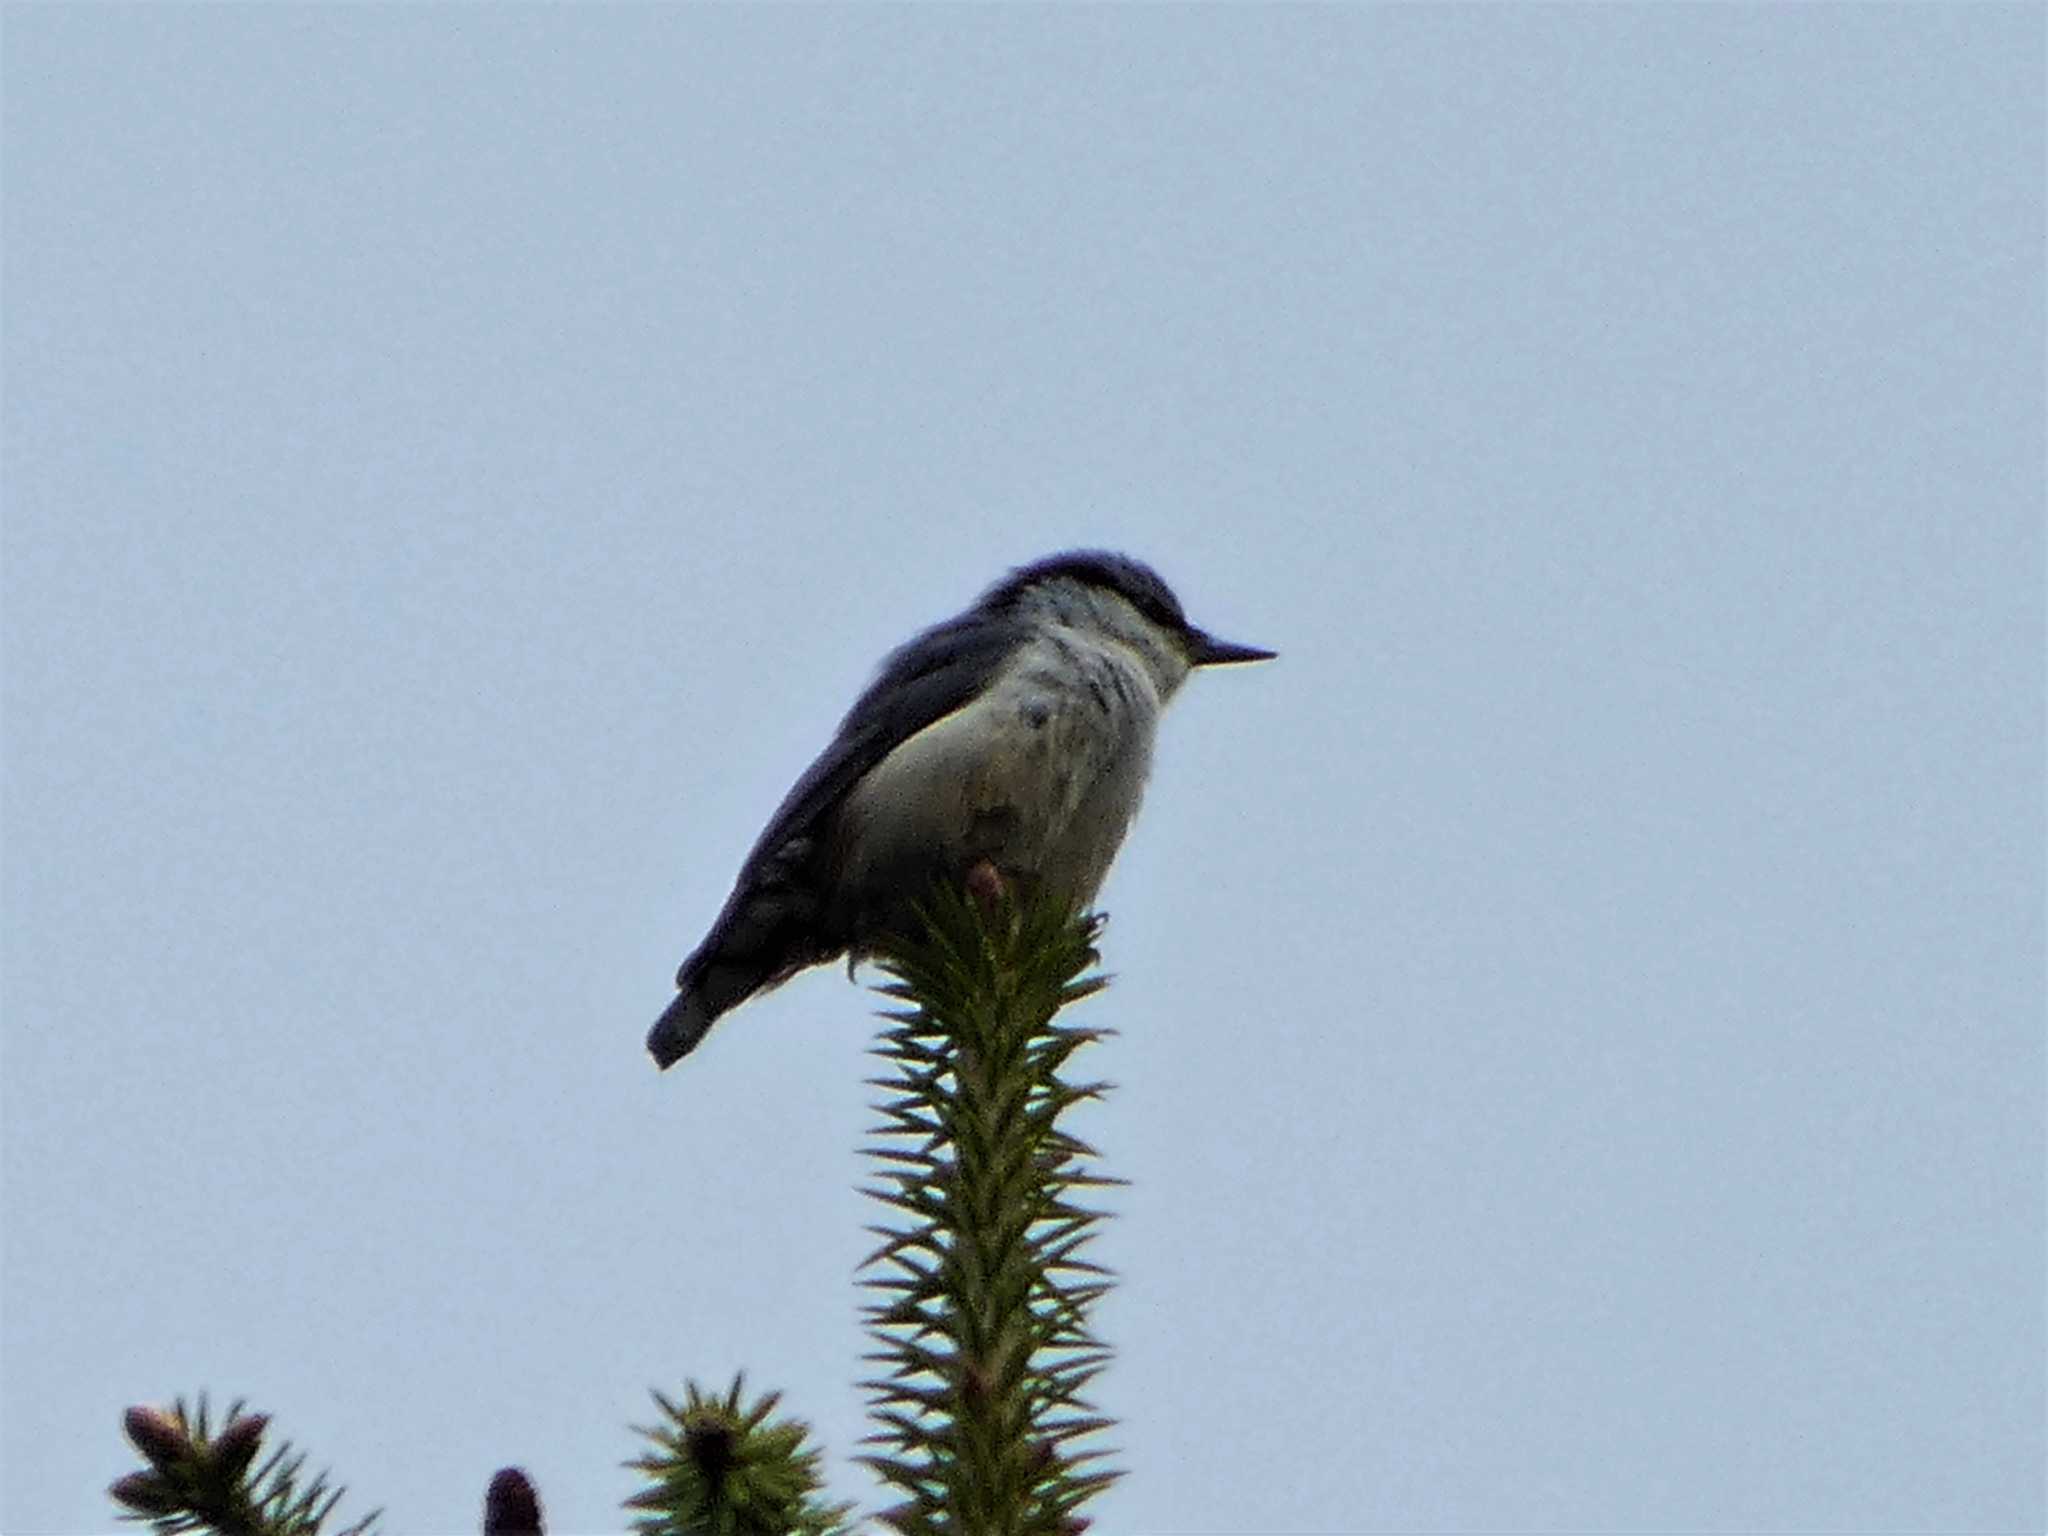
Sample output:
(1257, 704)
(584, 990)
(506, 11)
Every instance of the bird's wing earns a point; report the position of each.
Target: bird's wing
(940, 671)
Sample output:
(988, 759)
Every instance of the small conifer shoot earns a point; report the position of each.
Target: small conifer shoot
(981, 1291)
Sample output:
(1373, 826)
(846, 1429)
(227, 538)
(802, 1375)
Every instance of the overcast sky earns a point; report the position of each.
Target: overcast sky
(1580, 1011)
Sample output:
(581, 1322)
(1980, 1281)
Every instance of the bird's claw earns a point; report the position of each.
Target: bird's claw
(986, 886)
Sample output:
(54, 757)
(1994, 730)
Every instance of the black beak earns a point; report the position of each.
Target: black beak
(1205, 650)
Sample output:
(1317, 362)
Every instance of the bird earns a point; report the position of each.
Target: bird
(1005, 747)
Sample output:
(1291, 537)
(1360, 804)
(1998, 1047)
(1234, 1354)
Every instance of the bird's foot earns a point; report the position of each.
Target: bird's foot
(986, 886)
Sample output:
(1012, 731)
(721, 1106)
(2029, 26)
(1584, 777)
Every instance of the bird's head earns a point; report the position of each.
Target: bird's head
(1120, 599)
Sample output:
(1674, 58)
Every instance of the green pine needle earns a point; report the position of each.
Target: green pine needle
(979, 1294)
(203, 1479)
(717, 1468)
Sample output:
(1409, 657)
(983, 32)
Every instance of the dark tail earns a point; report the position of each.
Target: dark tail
(677, 1031)
(765, 935)
(713, 981)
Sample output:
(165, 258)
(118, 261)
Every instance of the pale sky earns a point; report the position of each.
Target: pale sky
(1580, 1011)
